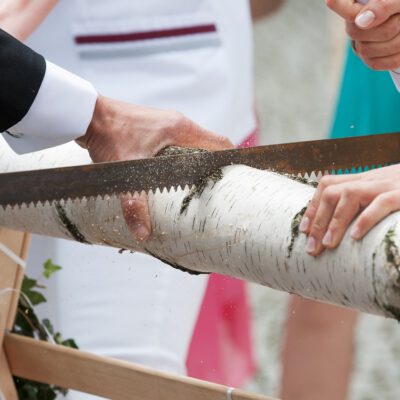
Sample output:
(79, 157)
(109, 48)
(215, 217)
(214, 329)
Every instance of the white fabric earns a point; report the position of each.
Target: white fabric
(130, 306)
(61, 112)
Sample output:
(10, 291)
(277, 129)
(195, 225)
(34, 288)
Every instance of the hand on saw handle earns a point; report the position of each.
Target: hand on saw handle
(369, 197)
(374, 27)
(121, 131)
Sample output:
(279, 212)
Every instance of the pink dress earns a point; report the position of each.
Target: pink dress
(221, 348)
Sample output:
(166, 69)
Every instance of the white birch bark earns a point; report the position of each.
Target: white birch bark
(243, 226)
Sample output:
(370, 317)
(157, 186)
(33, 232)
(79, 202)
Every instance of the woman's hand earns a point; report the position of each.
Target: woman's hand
(374, 29)
(369, 196)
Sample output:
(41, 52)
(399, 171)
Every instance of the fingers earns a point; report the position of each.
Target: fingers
(347, 9)
(312, 208)
(382, 33)
(337, 201)
(383, 63)
(339, 205)
(375, 12)
(136, 212)
(380, 207)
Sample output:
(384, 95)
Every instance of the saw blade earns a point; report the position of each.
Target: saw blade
(307, 159)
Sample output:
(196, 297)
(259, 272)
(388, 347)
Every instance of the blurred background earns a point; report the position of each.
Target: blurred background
(299, 56)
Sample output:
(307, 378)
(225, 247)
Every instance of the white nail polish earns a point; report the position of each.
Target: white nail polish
(327, 240)
(365, 19)
(355, 233)
(304, 224)
(310, 247)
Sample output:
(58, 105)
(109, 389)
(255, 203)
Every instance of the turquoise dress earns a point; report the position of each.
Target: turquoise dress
(368, 101)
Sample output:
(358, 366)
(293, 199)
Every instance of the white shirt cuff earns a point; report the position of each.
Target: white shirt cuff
(61, 112)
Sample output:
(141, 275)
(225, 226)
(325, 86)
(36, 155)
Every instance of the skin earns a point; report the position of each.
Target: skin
(20, 18)
(317, 354)
(377, 44)
(119, 131)
(372, 195)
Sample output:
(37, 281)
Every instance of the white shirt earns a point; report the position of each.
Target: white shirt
(61, 112)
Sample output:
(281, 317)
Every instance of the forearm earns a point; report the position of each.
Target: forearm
(20, 18)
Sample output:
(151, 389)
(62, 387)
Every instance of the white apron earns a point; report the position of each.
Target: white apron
(194, 56)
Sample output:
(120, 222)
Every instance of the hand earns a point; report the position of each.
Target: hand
(374, 29)
(339, 199)
(20, 18)
(121, 131)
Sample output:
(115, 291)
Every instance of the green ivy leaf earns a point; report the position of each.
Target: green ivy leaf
(35, 297)
(70, 343)
(46, 322)
(28, 324)
(50, 268)
(28, 284)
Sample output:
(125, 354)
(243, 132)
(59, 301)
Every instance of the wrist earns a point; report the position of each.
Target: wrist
(97, 123)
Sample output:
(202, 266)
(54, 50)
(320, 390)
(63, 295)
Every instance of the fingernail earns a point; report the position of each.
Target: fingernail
(310, 247)
(355, 233)
(141, 232)
(365, 19)
(304, 224)
(327, 240)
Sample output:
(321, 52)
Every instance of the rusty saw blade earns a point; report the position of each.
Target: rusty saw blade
(114, 178)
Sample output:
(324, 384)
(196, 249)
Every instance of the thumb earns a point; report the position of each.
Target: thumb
(136, 213)
(346, 9)
(375, 12)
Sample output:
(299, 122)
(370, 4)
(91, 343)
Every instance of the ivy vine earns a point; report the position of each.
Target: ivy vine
(28, 324)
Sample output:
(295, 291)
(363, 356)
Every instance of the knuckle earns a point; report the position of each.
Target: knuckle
(387, 200)
(375, 64)
(352, 31)
(330, 196)
(350, 192)
(176, 122)
(385, 7)
(326, 181)
(337, 221)
(362, 49)
(317, 229)
(390, 30)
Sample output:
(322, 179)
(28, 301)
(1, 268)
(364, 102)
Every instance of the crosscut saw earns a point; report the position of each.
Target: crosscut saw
(303, 159)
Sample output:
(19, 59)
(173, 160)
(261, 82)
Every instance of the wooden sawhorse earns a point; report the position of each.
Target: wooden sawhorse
(75, 369)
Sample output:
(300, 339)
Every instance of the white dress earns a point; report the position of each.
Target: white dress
(194, 56)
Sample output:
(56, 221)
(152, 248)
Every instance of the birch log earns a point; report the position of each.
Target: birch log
(244, 225)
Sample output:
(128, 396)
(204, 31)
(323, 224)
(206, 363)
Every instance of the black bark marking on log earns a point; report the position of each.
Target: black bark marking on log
(346, 298)
(295, 229)
(328, 289)
(392, 254)
(393, 259)
(69, 225)
(198, 190)
(301, 180)
(394, 311)
(176, 266)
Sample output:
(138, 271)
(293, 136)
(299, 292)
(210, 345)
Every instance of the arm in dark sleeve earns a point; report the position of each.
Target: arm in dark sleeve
(41, 104)
(21, 75)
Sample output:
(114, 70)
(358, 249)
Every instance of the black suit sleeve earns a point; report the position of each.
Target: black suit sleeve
(21, 74)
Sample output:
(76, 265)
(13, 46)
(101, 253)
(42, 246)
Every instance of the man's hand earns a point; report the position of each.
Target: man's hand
(374, 29)
(339, 199)
(121, 131)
